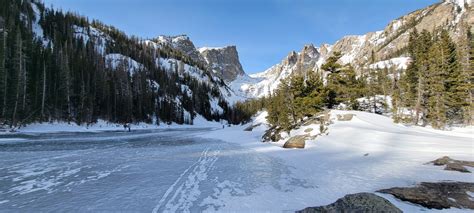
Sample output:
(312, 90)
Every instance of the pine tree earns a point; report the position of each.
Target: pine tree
(436, 110)
(466, 78)
(409, 80)
(19, 69)
(3, 71)
(455, 96)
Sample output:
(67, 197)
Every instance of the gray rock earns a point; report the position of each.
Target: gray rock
(361, 202)
(453, 165)
(224, 62)
(297, 142)
(441, 195)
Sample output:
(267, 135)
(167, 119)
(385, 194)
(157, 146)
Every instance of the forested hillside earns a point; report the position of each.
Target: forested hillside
(62, 66)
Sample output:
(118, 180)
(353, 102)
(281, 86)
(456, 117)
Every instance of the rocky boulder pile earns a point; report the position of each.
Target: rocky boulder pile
(453, 165)
(361, 202)
(443, 195)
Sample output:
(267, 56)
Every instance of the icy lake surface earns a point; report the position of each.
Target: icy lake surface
(145, 171)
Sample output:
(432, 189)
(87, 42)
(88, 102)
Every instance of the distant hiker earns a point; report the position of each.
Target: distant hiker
(127, 126)
(223, 126)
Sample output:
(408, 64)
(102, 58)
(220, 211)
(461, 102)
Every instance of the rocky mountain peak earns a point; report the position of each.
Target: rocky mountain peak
(310, 51)
(181, 43)
(292, 58)
(223, 61)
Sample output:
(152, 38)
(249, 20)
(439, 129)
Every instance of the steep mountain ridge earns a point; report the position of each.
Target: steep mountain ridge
(388, 46)
(260, 84)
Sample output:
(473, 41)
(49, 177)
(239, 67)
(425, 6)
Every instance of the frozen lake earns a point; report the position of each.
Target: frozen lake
(146, 171)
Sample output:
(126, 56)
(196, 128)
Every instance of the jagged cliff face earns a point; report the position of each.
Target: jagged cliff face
(453, 15)
(183, 44)
(223, 61)
(262, 84)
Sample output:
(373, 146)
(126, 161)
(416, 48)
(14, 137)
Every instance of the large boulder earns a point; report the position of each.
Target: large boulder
(361, 202)
(441, 195)
(453, 165)
(297, 142)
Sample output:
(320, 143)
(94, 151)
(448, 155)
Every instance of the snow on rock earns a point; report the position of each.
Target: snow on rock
(349, 56)
(99, 38)
(400, 63)
(203, 49)
(116, 60)
(366, 154)
(460, 3)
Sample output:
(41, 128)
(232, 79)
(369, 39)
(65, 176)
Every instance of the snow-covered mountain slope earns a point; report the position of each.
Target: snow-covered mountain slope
(357, 49)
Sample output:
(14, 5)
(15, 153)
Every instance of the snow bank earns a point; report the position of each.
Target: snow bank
(101, 125)
(365, 154)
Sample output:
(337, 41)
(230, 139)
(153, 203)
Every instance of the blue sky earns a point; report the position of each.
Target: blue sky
(265, 31)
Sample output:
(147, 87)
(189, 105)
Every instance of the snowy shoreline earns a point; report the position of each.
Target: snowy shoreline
(104, 126)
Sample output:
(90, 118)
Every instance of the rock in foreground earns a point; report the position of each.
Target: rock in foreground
(361, 202)
(441, 195)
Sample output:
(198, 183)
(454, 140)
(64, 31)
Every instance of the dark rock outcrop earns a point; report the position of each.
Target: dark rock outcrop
(223, 61)
(361, 202)
(441, 195)
(453, 165)
(272, 135)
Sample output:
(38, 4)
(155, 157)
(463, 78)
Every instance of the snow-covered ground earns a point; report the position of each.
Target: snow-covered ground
(220, 170)
(336, 164)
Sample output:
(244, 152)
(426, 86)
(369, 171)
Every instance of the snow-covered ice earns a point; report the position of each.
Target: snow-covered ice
(139, 171)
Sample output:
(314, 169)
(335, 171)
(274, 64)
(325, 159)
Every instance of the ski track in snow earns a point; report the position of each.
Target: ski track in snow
(189, 181)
